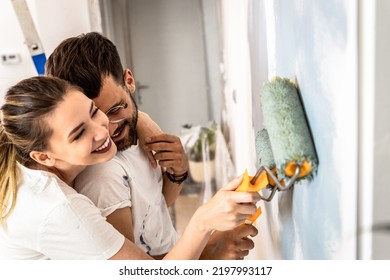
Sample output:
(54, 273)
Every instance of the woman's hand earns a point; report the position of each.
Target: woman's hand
(227, 209)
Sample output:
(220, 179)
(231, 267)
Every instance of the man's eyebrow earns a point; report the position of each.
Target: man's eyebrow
(78, 127)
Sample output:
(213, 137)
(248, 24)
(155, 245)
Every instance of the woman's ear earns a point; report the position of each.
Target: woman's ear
(42, 158)
(129, 80)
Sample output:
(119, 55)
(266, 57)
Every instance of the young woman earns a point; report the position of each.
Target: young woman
(49, 132)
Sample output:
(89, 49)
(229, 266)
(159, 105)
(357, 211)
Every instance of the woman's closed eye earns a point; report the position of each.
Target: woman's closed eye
(94, 112)
(79, 135)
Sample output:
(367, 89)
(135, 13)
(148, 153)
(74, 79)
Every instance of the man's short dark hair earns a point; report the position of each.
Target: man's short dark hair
(85, 61)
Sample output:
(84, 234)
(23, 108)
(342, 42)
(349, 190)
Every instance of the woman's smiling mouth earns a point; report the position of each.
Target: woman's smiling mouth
(105, 147)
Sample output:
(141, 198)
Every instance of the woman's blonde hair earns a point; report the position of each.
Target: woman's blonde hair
(24, 128)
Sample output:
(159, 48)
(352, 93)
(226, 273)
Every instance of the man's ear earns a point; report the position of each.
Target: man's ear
(42, 158)
(129, 80)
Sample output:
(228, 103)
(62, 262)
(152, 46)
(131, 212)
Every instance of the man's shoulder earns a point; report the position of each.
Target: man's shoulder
(117, 160)
(102, 170)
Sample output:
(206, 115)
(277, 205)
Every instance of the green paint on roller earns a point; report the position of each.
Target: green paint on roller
(264, 149)
(287, 128)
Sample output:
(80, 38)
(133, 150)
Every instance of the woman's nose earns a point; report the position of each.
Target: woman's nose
(101, 129)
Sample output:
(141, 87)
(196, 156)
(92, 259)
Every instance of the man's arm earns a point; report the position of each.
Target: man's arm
(122, 220)
(146, 127)
(168, 151)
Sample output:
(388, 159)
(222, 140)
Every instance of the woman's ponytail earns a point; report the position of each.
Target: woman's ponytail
(9, 175)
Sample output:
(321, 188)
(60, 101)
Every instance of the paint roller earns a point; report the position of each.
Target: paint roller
(289, 134)
(285, 147)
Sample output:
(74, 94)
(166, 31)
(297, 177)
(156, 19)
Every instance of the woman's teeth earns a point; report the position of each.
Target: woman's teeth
(105, 145)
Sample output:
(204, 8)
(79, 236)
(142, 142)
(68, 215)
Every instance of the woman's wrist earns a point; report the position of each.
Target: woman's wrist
(200, 222)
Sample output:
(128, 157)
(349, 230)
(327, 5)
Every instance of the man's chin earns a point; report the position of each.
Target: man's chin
(125, 142)
(122, 145)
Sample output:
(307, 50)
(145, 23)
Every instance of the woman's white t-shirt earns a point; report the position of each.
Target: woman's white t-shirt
(52, 221)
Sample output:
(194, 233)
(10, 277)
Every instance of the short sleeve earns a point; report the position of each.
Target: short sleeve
(75, 230)
(107, 185)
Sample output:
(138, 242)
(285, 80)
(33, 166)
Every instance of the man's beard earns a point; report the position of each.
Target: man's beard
(131, 138)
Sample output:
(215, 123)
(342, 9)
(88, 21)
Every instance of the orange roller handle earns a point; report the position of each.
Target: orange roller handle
(291, 167)
(246, 186)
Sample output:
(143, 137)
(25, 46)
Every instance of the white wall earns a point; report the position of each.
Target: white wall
(314, 43)
(381, 139)
(54, 21)
(12, 43)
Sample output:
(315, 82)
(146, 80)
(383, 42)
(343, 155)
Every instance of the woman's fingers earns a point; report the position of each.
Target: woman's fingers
(246, 209)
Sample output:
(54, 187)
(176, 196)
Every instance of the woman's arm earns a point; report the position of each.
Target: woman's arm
(226, 210)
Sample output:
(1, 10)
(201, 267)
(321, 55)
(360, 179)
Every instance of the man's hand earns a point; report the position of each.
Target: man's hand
(168, 151)
(230, 245)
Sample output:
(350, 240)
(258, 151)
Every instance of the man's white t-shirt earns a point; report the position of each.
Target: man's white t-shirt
(52, 221)
(129, 180)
